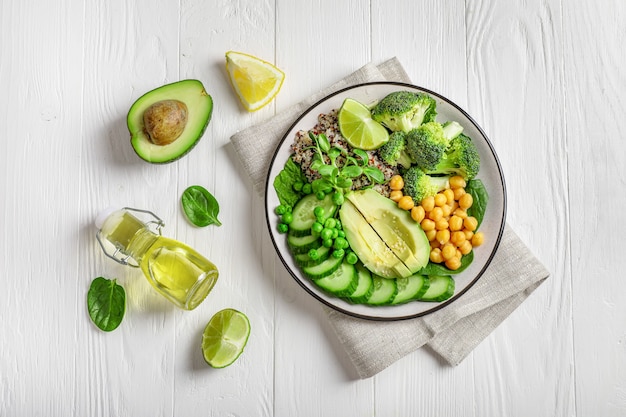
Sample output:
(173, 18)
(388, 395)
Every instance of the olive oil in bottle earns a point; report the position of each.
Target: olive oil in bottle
(174, 269)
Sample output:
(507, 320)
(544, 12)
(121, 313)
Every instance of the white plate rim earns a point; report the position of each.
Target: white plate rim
(336, 303)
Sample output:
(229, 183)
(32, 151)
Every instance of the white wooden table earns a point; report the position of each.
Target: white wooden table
(545, 79)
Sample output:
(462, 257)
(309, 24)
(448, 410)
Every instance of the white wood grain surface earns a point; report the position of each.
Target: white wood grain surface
(544, 79)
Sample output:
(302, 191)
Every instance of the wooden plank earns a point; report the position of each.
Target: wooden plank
(595, 126)
(516, 91)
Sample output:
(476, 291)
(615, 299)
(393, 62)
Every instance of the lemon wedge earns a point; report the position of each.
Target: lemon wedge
(255, 81)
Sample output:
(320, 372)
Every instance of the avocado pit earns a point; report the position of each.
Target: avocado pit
(164, 121)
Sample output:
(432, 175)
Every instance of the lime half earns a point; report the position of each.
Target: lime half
(358, 127)
(224, 337)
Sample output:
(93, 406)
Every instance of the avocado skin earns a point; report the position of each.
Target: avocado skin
(200, 105)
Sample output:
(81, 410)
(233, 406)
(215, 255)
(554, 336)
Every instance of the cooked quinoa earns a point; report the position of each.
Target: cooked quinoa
(327, 124)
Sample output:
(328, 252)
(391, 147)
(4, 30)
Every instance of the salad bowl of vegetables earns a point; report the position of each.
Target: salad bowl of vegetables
(385, 201)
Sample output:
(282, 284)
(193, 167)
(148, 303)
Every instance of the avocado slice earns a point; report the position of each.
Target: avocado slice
(167, 122)
(368, 245)
(395, 226)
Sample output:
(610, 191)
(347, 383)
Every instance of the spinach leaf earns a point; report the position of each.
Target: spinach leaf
(106, 303)
(200, 207)
(440, 269)
(284, 181)
(480, 197)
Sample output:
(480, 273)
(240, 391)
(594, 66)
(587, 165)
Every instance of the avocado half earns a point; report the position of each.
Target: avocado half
(187, 103)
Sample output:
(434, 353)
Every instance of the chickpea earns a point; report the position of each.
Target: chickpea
(436, 214)
(418, 214)
(448, 251)
(435, 256)
(466, 201)
(396, 195)
(428, 203)
(442, 236)
(457, 238)
(465, 247)
(396, 182)
(427, 225)
(458, 193)
(431, 235)
(449, 195)
(442, 224)
(435, 244)
(478, 239)
(406, 202)
(440, 199)
(453, 263)
(460, 212)
(470, 223)
(457, 182)
(468, 234)
(447, 210)
(456, 223)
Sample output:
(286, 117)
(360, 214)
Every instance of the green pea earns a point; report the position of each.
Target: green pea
(283, 228)
(287, 218)
(307, 188)
(317, 227)
(340, 243)
(298, 185)
(319, 212)
(341, 233)
(280, 210)
(351, 258)
(320, 195)
(327, 243)
(338, 253)
(326, 233)
(338, 199)
(335, 233)
(330, 223)
(314, 254)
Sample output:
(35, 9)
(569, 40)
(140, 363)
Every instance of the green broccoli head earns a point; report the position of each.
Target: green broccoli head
(420, 185)
(427, 145)
(394, 151)
(404, 110)
(461, 158)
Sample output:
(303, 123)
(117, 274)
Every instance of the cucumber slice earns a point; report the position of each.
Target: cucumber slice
(304, 217)
(441, 288)
(322, 269)
(410, 288)
(340, 283)
(303, 259)
(302, 244)
(385, 290)
(365, 285)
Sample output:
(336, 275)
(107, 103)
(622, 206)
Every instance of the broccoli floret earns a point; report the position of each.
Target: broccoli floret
(420, 185)
(404, 110)
(426, 145)
(461, 158)
(393, 152)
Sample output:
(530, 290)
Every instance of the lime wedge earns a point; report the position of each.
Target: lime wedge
(224, 337)
(358, 127)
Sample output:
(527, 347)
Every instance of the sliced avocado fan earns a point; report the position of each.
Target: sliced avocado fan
(167, 122)
(371, 220)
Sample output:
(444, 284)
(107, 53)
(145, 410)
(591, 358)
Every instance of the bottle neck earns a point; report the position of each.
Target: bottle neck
(128, 234)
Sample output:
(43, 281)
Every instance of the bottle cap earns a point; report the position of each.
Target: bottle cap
(104, 214)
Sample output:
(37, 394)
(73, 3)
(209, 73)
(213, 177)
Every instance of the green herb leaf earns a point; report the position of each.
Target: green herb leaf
(343, 182)
(106, 303)
(328, 171)
(363, 156)
(323, 142)
(284, 181)
(480, 198)
(200, 207)
(374, 174)
(352, 171)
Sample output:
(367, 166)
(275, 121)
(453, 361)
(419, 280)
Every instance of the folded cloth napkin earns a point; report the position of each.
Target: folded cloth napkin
(454, 331)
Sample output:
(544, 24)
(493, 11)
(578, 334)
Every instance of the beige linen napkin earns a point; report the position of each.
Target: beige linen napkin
(454, 331)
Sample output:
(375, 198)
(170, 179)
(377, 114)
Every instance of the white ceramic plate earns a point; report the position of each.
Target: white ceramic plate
(490, 173)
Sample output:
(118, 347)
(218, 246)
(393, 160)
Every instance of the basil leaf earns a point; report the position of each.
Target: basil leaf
(480, 198)
(200, 207)
(106, 303)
